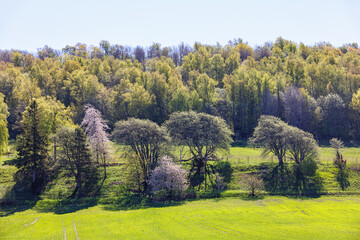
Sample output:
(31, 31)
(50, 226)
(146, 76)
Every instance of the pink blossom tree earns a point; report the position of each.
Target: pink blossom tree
(168, 179)
(96, 129)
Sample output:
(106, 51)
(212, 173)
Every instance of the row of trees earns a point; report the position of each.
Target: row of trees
(302, 85)
(298, 146)
(49, 144)
(203, 136)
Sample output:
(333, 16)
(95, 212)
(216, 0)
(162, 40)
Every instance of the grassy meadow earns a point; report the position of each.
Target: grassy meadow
(229, 218)
(232, 215)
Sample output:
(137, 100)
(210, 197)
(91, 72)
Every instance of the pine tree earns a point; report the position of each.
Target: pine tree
(76, 158)
(32, 147)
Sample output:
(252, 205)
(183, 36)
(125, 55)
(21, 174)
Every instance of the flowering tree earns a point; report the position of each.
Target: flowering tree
(146, 141)
(168, 180)
(95, 127)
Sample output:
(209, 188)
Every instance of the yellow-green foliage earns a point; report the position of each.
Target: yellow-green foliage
(4, 135)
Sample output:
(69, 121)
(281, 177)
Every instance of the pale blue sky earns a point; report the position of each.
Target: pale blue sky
(28, 25)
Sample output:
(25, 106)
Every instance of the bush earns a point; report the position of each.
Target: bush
(225, 170)
(168, 180)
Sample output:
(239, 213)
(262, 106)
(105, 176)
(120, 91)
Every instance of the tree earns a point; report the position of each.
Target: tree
(253, 184)
(139, 54)
(340, 163)
(271, 134)
(137, 101)
(146, 140)
(355, 114)
(46, 52)
(53, 115)
(333, 114)
(217, 68)
(32, 147)
(309, 167)
(303, 150)
(168, 180)
(300, 109)
(105, 47)
(205, 87)
(204, 135)
(4, 134)
(96, 127)
(75, 157)
(301, 145)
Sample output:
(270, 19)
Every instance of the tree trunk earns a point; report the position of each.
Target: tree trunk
(34, 175)
(54, 150)
(281, 162)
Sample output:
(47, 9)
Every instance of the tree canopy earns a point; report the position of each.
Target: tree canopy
(146, 141)
(204, 135)
(304, 85)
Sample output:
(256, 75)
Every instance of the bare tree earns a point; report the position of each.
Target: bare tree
(253, 184)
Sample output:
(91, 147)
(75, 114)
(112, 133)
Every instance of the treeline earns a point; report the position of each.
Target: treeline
(314, 88)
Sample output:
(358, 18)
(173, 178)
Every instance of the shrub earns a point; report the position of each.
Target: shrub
(225, 170)
(253, 184)
(168, 180)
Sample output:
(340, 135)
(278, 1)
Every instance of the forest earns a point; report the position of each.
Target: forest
(314, 88)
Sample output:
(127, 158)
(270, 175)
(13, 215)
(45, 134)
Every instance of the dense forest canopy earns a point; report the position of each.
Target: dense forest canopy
(314, 87)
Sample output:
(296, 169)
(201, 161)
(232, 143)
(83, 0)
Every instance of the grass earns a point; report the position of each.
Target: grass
(229, 218)
(244, 160)
(112, 215)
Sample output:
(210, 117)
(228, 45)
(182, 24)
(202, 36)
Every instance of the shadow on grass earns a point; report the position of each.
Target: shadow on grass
(242, 196)
(17, 201)
(65, 206)
(9, 209)
(134, 202)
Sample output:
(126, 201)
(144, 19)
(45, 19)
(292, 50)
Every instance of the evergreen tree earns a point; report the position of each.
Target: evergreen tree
(32, 147)
(76, 159)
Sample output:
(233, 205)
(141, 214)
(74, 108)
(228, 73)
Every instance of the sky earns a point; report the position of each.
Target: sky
(28, 25)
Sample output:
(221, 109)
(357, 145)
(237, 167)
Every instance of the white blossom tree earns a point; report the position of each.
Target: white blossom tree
(168, 180)
(96, 129)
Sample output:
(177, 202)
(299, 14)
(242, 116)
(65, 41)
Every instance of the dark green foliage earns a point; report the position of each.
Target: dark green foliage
(76, 160)
(342, 174)
(225, 170)
(278, 179)
(32, 147)
(309, 167)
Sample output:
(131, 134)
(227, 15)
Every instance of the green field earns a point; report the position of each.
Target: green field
(233, 216)
(229, 218)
